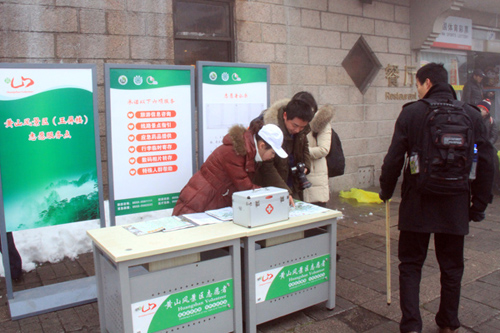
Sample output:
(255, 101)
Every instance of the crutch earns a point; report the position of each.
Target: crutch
(388, 250)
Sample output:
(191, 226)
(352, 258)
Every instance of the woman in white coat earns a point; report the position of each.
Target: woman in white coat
(319, 145)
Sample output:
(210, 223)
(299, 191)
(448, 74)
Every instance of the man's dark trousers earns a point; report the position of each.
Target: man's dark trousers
(412, 252)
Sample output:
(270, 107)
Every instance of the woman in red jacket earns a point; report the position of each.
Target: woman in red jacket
(230, 168)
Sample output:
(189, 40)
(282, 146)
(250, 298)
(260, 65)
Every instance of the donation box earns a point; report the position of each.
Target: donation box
(261, 206)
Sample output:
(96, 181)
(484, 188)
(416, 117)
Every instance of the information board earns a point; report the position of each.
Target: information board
(150, 126)
(48, 156)
(182, 307)
(228, 94)
(285, 280)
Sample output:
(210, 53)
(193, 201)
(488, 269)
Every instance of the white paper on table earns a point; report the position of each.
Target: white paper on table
(168, 223)
(304, 208)
(224, 214)
(200, 219)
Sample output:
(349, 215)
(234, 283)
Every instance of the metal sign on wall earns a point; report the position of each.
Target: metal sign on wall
(49, 160)
(456, 34)
(228, 94)
(150, 126)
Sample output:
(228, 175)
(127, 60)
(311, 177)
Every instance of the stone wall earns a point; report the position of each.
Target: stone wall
(304, 42)
(87, 31)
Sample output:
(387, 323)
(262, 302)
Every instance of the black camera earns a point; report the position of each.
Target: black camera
(299, 172)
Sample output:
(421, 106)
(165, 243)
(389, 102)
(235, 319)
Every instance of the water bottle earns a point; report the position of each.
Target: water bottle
(472, 174)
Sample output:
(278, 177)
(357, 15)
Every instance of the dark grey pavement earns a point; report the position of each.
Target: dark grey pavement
(361, 282)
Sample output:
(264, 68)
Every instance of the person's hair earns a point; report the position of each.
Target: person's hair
(299, 109)
(308, 98)
(436, 73)
(255, 127)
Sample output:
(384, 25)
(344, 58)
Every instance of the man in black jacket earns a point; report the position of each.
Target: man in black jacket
(473, 89)
(420, 215)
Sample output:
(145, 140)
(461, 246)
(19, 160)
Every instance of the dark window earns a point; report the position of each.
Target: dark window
(203, 31)
(361, 64)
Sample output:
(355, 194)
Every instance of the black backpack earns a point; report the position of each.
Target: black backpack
(335, 159)
(445, 152)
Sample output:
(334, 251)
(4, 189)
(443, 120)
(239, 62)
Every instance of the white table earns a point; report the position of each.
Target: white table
(202, 296)
(293, 275)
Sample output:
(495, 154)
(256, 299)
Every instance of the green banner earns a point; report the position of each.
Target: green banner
(289, 279)
(219, 75)
(145, 204)
(137, 79)
(172, 310)
(47, 155)
(150, 125)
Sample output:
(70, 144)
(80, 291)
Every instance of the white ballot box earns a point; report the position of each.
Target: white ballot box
(262, 206)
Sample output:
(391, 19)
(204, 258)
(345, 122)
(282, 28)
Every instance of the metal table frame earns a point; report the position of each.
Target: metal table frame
(321, 240)
(122, 283)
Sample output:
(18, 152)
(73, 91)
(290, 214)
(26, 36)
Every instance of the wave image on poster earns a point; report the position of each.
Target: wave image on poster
(47, 151)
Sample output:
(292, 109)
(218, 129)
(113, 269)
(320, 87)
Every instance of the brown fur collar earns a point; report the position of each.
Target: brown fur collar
(271, 114)
(322, 118)
(236, 133)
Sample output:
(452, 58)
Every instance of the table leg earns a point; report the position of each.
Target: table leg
(249, 266)
(332, 231)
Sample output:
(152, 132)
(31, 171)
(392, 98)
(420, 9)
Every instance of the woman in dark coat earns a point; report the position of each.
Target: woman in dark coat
(230, 168)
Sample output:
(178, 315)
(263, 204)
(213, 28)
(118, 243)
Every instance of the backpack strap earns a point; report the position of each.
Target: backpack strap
(430, 103)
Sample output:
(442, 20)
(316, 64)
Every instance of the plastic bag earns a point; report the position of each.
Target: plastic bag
(361, 195)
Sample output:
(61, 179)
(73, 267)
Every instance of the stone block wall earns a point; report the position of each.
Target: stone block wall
(306, 42)
(303, 41)
(87, 31)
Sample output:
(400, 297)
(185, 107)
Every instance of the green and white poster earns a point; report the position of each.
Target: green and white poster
(150, 135)
(229, 94)
(163, 312)
(48, 148)
(285, 280)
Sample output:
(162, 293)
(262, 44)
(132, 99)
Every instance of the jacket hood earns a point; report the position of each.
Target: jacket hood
(271, 114)
(322, 118)
(235, 136)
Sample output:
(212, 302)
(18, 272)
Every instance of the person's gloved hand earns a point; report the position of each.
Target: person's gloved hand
(383, 197)
(476, 215)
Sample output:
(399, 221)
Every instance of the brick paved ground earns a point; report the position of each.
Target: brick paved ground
(361, 290)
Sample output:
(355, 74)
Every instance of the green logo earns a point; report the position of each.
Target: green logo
(122, 80)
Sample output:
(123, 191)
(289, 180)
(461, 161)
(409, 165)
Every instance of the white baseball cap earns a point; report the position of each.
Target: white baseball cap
(274, 137)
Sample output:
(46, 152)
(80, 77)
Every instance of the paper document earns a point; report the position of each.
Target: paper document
(304, 208)
(224, 214)
(200, 219)
(168, 223)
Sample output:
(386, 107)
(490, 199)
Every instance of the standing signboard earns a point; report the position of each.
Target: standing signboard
(48, 153)
(49, 157)
(228, 94)
(150, 128)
